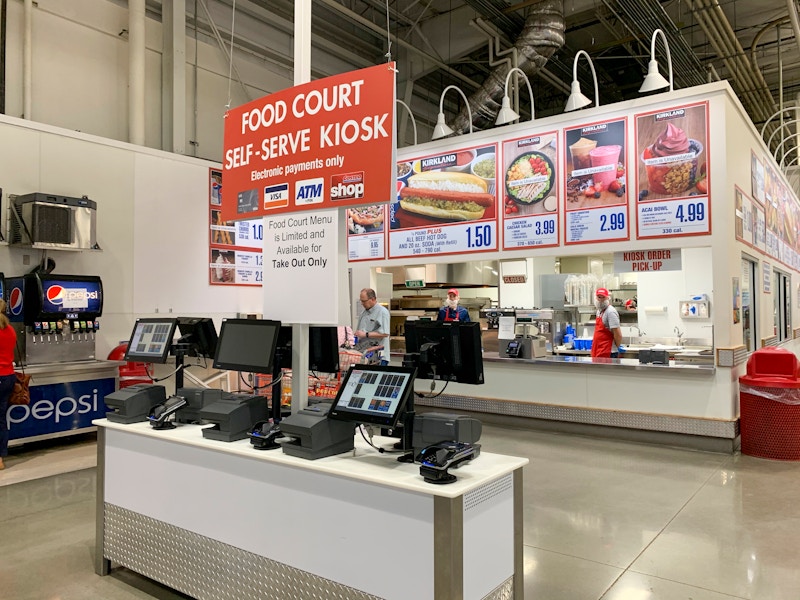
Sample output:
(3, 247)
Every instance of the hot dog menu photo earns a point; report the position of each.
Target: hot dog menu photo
(671, 173)
(446, 203)
(365, 237)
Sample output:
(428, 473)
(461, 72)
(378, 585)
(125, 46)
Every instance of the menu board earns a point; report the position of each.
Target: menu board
(757, 177)
(746, 218)
(530, 198)
(235, 248)
(672, 184)
(782, 219)
(446, 204)
(596, 205)
(365, 232)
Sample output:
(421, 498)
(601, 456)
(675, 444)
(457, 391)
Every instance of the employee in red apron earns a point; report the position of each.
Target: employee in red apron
(451, 311)
(607, 340)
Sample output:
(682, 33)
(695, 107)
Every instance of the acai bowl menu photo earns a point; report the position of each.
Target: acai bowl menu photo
(672, 185)
(671, 154)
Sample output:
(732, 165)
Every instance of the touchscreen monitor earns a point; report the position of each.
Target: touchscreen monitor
(247, 345)
(373, 394)
(200, 335)
(151, 340)
(448, 351)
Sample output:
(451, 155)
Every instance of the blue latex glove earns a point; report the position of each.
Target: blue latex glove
(622, 349)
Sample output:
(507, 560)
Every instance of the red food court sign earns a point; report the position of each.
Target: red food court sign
(318, 145)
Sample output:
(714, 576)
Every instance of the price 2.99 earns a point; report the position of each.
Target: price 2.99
(612, 222)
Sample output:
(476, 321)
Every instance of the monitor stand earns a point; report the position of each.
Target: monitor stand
(408, 430)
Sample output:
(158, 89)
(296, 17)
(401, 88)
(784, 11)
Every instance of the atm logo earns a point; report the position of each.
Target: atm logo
(15, 301)
(309, 191)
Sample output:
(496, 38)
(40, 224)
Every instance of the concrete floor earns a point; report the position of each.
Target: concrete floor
(604, 520)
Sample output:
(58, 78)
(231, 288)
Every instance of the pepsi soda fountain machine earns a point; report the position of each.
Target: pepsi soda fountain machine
(55, 316)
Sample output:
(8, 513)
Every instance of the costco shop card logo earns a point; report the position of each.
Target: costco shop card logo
(347, 186)
(15, 301)
(309, 191)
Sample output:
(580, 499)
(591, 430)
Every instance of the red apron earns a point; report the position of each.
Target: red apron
(603, 340)
(447, 316)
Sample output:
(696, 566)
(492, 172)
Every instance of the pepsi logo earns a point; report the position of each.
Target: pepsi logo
(15, 301)
(55, 295)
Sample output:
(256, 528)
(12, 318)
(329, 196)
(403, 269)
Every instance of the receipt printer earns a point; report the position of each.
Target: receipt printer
(433, 427)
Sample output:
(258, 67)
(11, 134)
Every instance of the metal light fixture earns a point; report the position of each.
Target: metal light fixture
(413, 120)
(441, 129)
(654, 80)
(576, 99)
(508, 114)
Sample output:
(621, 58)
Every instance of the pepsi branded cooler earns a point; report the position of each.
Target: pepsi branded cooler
(55, 316)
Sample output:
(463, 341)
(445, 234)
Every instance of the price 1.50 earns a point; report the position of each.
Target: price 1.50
(479, 236)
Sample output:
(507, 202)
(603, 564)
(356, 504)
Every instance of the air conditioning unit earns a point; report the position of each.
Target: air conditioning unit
(48, 221)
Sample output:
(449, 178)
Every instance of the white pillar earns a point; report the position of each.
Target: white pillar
(27, 61)
(173, 76)
(136, 50)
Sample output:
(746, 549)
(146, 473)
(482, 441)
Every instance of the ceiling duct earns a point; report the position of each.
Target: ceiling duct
(642, 19)
(747, 82)
(542, 35)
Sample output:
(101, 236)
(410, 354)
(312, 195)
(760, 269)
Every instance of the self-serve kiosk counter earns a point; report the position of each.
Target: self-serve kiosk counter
(466, 536)
(55, 317)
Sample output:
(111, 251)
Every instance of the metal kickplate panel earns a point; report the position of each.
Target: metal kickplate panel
(505, 591)
(207, 569)
(571, 414)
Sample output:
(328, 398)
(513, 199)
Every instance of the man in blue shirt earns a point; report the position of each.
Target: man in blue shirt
(373, 324)
(451, 311)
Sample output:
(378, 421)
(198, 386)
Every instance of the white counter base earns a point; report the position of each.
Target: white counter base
(222, 520)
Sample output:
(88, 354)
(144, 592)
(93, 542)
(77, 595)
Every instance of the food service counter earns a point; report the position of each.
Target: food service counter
(682, 403)
(581, 358)
(206, 517)
(65, 399)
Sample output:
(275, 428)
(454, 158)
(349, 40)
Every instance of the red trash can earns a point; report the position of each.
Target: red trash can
(769, 405)
(131, 373)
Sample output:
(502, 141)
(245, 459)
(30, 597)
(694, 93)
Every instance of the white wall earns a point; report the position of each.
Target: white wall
(152, 224)
(80, 73)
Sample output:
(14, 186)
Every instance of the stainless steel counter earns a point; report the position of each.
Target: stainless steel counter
(626, 363)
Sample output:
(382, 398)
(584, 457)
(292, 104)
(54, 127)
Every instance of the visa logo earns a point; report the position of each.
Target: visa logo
(309, 191)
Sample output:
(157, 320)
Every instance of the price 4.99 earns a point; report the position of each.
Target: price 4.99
(696, 211)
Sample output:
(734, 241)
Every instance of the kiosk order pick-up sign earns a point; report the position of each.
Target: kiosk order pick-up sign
(328, 143)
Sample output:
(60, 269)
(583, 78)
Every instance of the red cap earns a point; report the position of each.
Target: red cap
(453, 291)
(602, 292)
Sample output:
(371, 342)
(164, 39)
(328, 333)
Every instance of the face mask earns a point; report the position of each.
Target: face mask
(601, 304)
(452, 303)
